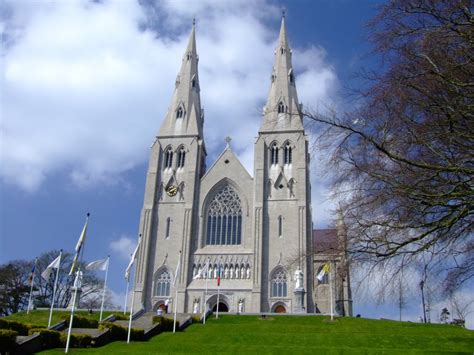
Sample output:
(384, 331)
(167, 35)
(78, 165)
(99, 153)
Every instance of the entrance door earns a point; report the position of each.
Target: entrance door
(222, 307)
(279, 309)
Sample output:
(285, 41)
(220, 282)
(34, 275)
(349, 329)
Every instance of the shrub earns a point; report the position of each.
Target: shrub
(77, 340)
(166, 323)
(7, 340)
(117, 332)
(49, 338)
(196, 319)
(20, 328)
(120, 316)
(81, 322)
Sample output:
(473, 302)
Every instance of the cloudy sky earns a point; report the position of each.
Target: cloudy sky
(85, 85)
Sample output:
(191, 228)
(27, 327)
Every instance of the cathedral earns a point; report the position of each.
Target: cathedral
(252, 234)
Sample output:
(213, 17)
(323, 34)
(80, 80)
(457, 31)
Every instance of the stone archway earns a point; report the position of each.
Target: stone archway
(279, 308)
(222, 307)
(224, 303)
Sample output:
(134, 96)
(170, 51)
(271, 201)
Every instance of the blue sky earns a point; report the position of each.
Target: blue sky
(85, 85)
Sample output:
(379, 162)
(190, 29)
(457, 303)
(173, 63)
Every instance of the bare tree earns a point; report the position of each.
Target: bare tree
(461, 307)
(90, 283)
(403, 156)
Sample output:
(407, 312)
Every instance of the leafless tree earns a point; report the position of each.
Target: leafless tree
(14, 289)
(461, 307)
(403, 156)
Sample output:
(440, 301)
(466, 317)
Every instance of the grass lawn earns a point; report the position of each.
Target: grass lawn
(297, 335)
(40, 317)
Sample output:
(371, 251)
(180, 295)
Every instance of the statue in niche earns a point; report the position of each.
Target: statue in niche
(196, 305)
(240, 308)
(231, 272)
(242, 271)
(226, 272)
(181, 191)
(248, 271)
(291, 187)
(215, 272)
(210, 273)
(237, 272)
(299, 278)
(194, 271)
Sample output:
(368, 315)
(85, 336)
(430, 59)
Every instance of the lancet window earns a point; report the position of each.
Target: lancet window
(168, 158)
(274, 154)
(181, 157)
(180, 112)
(168, 227)
(279, 284)
(280, 226)
(224, 218)
(163, 283)
(288, 154)
(281, 107)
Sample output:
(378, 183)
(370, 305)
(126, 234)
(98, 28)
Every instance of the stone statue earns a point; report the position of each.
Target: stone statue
(210, 272)
(299, 278)
(226, 272)
(241, 306)
(248, 271)
(231, 272)
(196, 306)
(237, 272)
(215, 272)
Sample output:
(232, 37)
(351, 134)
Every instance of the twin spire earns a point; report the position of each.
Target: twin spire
(281, 113)
(185, 115)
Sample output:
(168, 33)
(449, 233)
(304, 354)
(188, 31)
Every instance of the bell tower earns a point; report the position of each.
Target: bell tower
(282, 194)
(168, 217)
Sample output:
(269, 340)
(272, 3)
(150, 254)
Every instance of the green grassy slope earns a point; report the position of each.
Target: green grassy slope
(40, 317)
(297, 335)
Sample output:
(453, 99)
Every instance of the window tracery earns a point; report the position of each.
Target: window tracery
(274, 154)
(224, 218)
(288, 154)
(279, 284)
(163, 283)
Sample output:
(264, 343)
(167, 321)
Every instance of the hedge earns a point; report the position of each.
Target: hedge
(117, 332)
(49, 338)
(166, 323)
(81, 322)
(77, 340)
(20, 328)
(7, 340)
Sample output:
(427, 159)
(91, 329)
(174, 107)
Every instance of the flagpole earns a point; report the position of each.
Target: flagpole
(218, 287)
(54, 290)
(77, 284)
(176, 294)
(126, 298)
(105, 286)
(205, 294)
(131, 314)
(330, 293)
(31, 286)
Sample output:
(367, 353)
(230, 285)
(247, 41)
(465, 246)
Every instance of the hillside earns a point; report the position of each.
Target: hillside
(305, 334)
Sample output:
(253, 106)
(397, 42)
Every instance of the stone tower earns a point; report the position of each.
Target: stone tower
(177, 162)
(282, 193)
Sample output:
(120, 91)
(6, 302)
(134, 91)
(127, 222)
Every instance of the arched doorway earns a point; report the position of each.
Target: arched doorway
(279, 309)
(222, 307)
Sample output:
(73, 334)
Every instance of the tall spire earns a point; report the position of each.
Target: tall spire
(185, 116)
(282, 112)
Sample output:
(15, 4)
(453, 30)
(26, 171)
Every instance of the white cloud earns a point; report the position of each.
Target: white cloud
(88, 99)
(123, 247)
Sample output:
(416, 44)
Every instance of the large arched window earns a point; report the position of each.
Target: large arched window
(224, 218)
(163, 283)
(279, 284)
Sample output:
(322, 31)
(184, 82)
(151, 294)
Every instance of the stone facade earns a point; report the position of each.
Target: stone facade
(256, 232)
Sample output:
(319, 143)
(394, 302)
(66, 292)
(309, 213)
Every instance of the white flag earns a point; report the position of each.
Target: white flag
(54, 265)
(132, 260)
(177, 269)
(201, 272)
(325, 270)
(80, 243)
(98, 264)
